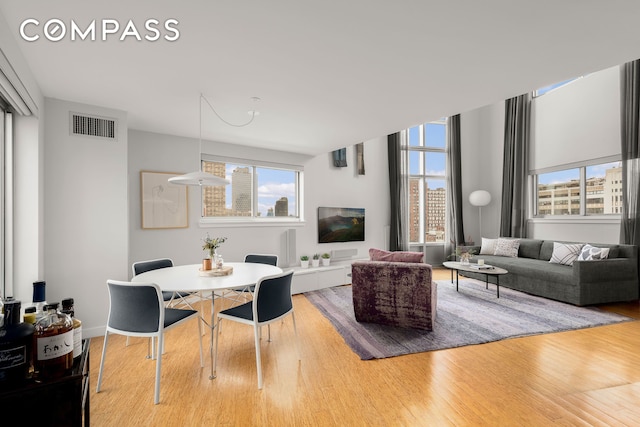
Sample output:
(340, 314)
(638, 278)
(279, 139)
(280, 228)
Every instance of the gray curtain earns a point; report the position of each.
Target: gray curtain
(515, 166)
(630, 129)
(399, 187)
(454, 185)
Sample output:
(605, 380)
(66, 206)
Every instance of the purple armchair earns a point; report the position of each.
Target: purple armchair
(394, 293)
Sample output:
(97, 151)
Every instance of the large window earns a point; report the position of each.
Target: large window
(584, 190)
(427, 183)
(270, 192)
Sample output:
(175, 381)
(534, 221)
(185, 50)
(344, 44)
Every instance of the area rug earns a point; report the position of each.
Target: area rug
(471, 316)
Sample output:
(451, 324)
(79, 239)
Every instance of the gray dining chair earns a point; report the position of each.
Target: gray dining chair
(169, 298)
(138, 310)
(240, 294)
(271, 302)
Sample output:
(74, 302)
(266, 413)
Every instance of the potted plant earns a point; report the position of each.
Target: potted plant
(326, 258)
(463, 254)
(316, 260)
(304, 261)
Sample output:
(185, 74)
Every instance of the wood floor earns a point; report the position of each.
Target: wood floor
(588, 377)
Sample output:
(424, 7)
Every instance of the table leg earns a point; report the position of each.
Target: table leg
(456, 280)
(486, 281)
(498, 285)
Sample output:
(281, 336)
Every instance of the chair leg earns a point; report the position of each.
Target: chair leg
(295, 334)
(104, 352)
(269, 333)
(158, 368)
(256, 332)
(199, 320)
(214, 361)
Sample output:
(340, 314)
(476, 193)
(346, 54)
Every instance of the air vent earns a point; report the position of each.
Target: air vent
(93, 126)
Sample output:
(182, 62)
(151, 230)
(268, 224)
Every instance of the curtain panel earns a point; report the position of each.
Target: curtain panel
(455, 229)
(399, 191)
(517, 122)
(630, 140)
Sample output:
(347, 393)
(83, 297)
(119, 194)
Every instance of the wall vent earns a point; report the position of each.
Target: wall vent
(98, 127)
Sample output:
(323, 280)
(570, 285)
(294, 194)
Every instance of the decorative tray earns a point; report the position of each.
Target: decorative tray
(224, 271)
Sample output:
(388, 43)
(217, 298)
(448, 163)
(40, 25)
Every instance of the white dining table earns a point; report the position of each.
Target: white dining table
(189, 278)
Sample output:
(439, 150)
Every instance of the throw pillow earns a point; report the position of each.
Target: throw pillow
(507, 247)
(591, 253)
(488, 246)
(398, 256)
(565, 253)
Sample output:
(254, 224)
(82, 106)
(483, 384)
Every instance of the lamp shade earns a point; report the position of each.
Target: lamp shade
(480, 198)
(198, 178)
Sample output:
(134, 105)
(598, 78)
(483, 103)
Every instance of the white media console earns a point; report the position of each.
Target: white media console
(313, 278)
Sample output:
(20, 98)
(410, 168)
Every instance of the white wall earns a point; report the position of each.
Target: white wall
(86, 213)
(324, 185)
(482, 136)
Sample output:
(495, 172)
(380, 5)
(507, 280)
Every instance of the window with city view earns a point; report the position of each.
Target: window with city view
(561, 192)
(254, 192)
(427, 182)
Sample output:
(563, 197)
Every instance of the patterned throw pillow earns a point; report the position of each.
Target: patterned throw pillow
(488, 246)
(507, 247)
(591, 253)
(565, 253)
(398, 256)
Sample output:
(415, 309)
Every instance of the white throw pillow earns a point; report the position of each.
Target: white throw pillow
(488, 246)
(507, 247)
(591, 253)
(565, 253)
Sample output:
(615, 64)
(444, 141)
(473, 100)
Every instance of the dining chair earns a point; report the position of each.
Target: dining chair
(272, 301)
(155, 264)
(269, 259)
(168, 297)
(137, 310)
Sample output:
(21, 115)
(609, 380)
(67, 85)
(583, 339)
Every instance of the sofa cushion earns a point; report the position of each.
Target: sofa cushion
(488, 246)
(397, 256)
(529, 248)
(565, 253)
(507, 247)
(592, 253)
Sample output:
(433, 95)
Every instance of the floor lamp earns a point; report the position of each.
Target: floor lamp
(480, 198)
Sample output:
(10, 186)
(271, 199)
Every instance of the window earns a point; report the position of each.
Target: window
(269, 192)
(427, 183)
(585, 190)
(543, 90)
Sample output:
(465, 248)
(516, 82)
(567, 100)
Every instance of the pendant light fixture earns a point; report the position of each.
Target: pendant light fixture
(201, 177)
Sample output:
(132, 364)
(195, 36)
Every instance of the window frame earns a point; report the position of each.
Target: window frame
(423, 176)
(253, 220)
(582, 170)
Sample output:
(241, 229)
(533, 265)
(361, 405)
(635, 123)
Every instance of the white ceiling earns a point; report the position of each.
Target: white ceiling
(329, 73)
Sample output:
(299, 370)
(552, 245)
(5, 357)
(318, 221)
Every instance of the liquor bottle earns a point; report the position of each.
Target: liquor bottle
(68, 308)
(16, 341)
(39, 297)
(54, 344)
(30, 315)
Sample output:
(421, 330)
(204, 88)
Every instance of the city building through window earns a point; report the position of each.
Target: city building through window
(255, 191)
(427, 182)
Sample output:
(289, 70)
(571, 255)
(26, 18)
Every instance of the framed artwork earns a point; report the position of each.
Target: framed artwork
(163, 205)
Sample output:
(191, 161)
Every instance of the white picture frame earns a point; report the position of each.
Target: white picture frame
(163, 204)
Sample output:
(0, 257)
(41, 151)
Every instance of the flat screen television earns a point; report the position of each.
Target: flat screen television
(340, 225)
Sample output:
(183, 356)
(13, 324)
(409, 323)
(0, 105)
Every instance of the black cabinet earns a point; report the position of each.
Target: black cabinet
(60, 402)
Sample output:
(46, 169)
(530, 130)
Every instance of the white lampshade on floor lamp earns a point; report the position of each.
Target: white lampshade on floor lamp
(480, 198)
(201, 177)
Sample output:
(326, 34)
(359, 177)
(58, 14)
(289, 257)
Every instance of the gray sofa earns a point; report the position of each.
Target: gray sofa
(614, 279)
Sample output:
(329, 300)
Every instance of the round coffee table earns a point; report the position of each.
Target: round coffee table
(487, 270)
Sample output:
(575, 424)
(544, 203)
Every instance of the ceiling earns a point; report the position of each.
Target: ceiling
(329, 73)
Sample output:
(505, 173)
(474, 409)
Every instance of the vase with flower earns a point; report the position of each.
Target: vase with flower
(211, 245)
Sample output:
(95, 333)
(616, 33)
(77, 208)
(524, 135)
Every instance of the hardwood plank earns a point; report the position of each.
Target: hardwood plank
(585, 377)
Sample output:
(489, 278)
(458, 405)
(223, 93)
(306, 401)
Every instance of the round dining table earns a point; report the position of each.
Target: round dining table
(189, 278)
